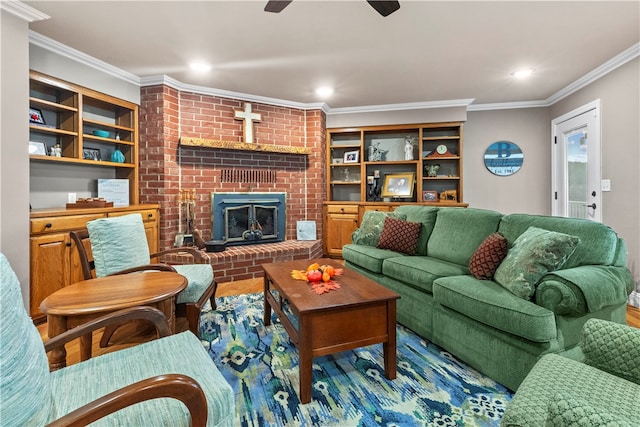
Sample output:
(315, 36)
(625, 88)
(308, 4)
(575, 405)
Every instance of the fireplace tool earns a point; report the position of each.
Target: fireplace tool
(186, 212)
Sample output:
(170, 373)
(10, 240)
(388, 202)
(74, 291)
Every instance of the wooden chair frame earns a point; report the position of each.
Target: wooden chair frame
(176, 386)
(190, 310)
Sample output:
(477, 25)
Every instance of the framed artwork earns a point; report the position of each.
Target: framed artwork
(36, 117)
(37, 148)
(429, 196)
(91, 154)
(351, 156)
(398, 185)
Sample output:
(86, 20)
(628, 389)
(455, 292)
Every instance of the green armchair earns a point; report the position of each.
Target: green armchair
(167, 381)
(601, 390)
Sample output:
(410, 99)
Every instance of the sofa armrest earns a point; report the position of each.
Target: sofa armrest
(584, 289)
(612, 347)
(568, 411)
(175, 386)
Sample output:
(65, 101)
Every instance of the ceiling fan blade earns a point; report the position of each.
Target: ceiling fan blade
(276, 6)
(384, 8)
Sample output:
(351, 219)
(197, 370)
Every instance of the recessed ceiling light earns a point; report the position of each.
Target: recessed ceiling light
(200, 66)
(324, 92)
(523, 74)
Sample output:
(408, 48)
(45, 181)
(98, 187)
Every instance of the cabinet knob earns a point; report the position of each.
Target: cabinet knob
(68, 244)
(48, 225)
(341, 209)
(150, 215)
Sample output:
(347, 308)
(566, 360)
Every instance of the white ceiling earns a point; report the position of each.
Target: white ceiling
(425, 52)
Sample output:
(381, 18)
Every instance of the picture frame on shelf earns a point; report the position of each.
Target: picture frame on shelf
(351, 156)
(429, 196)
(36, 117)
(91, 154)
(37, 148)
(398, 185)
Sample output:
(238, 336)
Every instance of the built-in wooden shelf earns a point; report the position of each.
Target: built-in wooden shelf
(243, 146)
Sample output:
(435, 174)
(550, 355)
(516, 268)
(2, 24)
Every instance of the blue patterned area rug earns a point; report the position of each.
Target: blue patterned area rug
(349, 388)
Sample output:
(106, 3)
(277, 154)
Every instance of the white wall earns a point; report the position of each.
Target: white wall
(14, 153)
(619, 92)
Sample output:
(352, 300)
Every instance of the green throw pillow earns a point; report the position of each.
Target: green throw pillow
(534, 253)
(371, 227)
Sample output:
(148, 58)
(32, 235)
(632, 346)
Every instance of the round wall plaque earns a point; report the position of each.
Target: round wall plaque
(503, 158)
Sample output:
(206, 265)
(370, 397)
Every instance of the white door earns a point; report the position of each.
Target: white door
(576, 164)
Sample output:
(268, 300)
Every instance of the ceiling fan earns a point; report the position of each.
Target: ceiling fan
(384, 8)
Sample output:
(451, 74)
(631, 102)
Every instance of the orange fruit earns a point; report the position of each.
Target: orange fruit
(326, 277)
(329, 270)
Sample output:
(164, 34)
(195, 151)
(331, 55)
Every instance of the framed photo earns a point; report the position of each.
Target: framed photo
(370, 180)
(351, 156)
(429, 196)
(36, 117)
(37, 148)
(398, 185)
(91, 154)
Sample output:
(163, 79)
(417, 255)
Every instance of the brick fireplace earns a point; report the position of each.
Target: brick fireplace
(168, 114)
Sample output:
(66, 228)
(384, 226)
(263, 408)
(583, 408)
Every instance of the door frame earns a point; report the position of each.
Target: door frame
(558, 181)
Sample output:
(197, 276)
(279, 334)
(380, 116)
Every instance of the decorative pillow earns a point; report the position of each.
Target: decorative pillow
(118, 243)
(534, 253)
(487, 257)
(372, 223)
(400, 236)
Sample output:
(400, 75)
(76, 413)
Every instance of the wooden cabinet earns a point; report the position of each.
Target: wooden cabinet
(76, 126)
(54, 261)
(340, 222)
(364, 165)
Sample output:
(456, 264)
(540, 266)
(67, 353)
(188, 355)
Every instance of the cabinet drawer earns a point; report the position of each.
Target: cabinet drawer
(351, 209)
(54, 224)
(148, 215)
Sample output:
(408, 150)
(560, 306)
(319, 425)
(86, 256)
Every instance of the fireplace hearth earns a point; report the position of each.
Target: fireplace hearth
(248, 218)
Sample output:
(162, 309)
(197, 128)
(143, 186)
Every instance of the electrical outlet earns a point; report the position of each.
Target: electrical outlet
(72, 197)
(605, 185)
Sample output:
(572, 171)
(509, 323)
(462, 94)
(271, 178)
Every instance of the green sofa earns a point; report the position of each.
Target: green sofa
(480, 321)
(601, 390)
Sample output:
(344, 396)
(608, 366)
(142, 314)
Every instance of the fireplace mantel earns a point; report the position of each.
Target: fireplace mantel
(243, 146)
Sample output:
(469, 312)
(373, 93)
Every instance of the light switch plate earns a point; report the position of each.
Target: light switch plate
(72, 197)
(605, 185)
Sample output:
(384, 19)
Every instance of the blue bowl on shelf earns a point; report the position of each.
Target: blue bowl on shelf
(101, 133)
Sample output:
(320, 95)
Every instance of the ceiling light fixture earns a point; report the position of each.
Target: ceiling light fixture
(523, 74)
(324, 92)
(200, 67)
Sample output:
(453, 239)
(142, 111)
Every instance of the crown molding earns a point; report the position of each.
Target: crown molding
(45, 42)
(400, 107)
(61, 49)
(202, 90)
(615, 62)
(23, 11)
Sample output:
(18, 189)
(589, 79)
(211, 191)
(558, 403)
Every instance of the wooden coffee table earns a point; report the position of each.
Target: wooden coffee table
(84, 301)
(358, 314)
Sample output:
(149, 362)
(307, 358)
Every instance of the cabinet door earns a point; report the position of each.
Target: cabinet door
(50, 267)
(338, 231)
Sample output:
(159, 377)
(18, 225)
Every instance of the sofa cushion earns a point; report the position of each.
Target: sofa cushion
(400, 236)
(419, 272)
(459, 231)
(367, 257)
(491, 304)
(118, 243)
(24, 371)
(423, 214)
(598, 243)
(371, 227)
(485, 260)
(182, 353)
(534, 253)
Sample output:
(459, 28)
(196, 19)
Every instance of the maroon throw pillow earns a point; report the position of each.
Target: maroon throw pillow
(400, 236)
(487, 257)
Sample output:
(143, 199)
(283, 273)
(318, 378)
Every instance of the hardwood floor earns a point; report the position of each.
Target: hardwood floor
(131, 335)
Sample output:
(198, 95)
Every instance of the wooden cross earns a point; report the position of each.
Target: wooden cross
(248, 118)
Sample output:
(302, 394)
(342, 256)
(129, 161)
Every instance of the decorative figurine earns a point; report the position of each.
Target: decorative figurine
(408, 148)
(432, 170)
